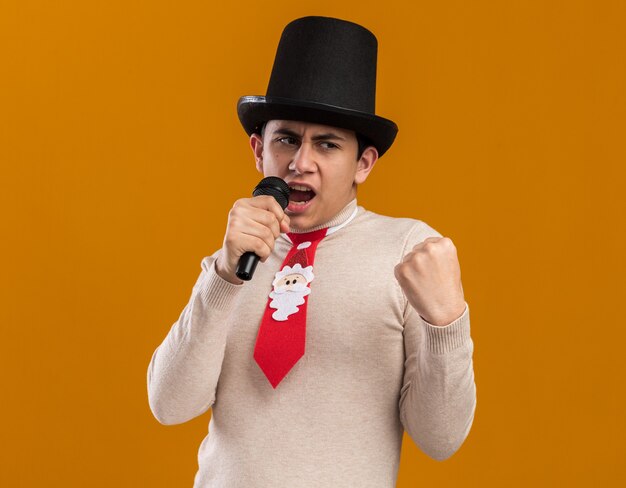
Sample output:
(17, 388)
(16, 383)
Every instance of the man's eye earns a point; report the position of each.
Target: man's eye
(330, 145)
(292, 139)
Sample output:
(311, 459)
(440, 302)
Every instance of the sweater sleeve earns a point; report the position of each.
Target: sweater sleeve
(438, 395)
(184, 369)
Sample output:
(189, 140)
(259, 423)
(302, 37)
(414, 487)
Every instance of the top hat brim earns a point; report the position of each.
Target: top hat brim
(253, 111)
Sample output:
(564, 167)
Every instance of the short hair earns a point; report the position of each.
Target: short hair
(362, 141)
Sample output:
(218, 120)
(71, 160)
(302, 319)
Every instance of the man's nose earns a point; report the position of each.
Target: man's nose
(304, 160)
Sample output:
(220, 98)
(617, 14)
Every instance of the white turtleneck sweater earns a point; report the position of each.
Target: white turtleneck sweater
(372, 367)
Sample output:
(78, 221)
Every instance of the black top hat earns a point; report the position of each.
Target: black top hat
(324, 72)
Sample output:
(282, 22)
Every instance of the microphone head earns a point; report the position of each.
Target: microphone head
(276, 187)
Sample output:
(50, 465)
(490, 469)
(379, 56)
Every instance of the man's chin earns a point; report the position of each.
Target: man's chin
(299, 222)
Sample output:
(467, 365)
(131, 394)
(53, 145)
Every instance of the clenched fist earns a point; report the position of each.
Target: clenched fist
(430, 277)
(253, 225)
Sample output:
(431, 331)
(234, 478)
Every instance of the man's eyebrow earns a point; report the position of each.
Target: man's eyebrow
(328, 135)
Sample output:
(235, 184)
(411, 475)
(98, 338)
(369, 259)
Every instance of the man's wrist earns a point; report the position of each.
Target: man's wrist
(445, 319)
(231, 278)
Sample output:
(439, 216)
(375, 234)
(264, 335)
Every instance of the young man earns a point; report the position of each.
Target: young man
(353, 329)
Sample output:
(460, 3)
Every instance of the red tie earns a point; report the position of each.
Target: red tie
(281, 338)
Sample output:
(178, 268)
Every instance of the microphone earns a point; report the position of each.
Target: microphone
(279, 189)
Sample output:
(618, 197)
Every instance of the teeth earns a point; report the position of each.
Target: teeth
(298, 204)
(300, 187)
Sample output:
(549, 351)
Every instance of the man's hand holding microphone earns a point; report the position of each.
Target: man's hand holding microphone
(253, 226)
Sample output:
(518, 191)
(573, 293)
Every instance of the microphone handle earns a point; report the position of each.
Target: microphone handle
(247, 265)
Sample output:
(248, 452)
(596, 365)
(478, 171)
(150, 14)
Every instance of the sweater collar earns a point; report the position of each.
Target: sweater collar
(342, 217)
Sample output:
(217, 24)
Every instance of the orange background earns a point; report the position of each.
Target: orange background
(122, 153)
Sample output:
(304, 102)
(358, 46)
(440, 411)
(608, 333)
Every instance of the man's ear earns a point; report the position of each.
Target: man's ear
(256, 143)
(365, 164)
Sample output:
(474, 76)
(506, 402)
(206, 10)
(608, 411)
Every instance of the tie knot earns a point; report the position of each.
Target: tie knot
(300, 237)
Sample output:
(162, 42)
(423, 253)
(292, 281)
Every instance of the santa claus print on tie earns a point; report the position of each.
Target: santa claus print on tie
(291, 284)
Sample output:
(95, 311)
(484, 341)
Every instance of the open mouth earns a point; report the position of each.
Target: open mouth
(299, 197)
